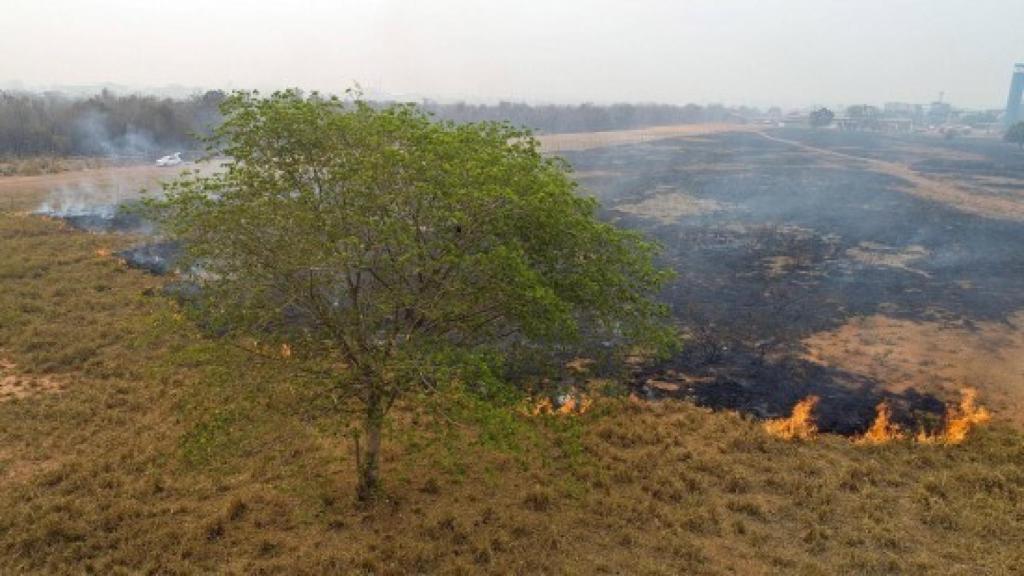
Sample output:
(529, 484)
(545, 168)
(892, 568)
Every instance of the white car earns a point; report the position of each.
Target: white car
(170, 160)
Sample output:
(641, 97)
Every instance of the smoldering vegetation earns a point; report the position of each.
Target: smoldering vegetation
(89, 207)
(798, 243)
(113, 207)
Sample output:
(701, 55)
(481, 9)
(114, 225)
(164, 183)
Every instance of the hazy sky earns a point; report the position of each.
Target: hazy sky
(789, 52)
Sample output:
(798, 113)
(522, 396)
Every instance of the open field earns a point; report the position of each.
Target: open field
(557, 143)
(131, 443)
(849, 265)
(40, 165)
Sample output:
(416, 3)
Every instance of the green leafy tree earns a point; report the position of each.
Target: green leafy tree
(387, 248)
(821, 117)
(1015, 134)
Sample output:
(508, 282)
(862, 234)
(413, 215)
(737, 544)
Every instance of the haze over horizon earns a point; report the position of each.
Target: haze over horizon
(780, 52)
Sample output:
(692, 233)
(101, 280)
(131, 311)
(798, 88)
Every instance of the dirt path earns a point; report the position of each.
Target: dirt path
(14, 384)
(588, 140)
(24, 193)
(924, 187)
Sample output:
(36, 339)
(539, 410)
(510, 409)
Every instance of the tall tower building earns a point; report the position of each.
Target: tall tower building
(1014, 113)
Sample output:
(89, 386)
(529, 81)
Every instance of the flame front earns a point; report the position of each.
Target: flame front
(799, 426)
(960, 419)
(572, 404)
(883, 429)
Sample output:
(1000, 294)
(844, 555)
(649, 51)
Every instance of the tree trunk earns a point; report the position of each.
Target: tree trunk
(369, 458)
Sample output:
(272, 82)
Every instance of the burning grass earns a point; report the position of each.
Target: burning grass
(563, 405)
(800, 425)
(935, 357)
(961, 418)
(883, 430)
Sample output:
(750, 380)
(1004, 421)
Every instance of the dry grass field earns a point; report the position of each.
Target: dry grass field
(557, 143)
(25, 193)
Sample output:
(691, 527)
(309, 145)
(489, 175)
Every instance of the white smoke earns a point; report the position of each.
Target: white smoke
(94, 207)
(81, 199)
(92, 129)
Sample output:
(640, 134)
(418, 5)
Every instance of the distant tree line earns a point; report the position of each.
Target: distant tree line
(105, 124)
(109, 124)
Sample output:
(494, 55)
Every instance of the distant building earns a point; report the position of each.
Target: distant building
(939, 112)
(902, 109)
(1014, 113)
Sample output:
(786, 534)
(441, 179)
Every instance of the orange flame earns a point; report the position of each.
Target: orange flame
(544, 406)
(883, 429)
(799, 426)
(572, 404)
(960, 419)
(568, 406)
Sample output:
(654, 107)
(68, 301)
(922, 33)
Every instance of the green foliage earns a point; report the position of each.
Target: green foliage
(403, 248)
(209, 438)
(1015, 134)
(821, 117)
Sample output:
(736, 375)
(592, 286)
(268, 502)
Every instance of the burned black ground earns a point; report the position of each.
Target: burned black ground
(796, 242)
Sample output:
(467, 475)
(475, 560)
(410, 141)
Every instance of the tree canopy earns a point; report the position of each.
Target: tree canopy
(385, 245)
(821, 117)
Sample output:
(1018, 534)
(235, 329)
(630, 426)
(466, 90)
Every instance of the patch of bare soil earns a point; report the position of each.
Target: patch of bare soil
(875, 254)
(588, 140)
(937, 152)
(14, 469)
(95, 185)
(960, 197)
(932, 357)
(15, 385)
(667, 205)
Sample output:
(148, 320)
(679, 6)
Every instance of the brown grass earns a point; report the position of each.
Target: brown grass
(875, 254)
(554, 143)
(667, 205)
(25, 193)
(37, 165)
(170, 453)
